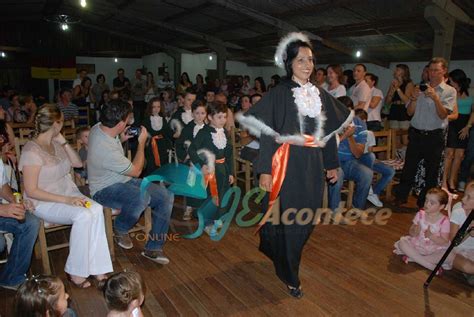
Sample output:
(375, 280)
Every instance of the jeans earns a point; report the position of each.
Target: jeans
(128, 198)
(359, 173)
(387, 172)
(18, 263)
(468, 159)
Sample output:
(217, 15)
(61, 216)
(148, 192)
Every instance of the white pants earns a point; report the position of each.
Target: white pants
(88, 250)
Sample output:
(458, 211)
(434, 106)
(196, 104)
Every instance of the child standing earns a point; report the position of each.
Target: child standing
(214, 143)
(42, 296)
(429, 233)
(124, 293)
(82, 137)
(157, 152)
(182, 144)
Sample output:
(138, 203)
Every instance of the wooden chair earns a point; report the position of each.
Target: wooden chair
(384, 146)
(69, 131)
(242, 168)
(43, 248)
(348, 189)
(109, 216)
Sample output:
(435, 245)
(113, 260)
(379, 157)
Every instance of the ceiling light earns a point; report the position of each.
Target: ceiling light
(3, 54)
(116, 60)
(210, 57)
(64, 26)
(83, 3)
(358, 54)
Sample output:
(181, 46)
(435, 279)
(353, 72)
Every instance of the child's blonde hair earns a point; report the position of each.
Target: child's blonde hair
(38, 296)
(122, 288)
(80, 131)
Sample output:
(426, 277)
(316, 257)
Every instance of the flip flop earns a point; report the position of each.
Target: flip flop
(83, 284)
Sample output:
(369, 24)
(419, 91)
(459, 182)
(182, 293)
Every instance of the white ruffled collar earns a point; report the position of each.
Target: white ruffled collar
(197, 128)
(187, 116)
(156, 122)
(307, 100)
(219, 139)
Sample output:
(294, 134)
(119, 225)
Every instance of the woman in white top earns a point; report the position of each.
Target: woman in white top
(335, 76)
(374, 120)
(46, 164)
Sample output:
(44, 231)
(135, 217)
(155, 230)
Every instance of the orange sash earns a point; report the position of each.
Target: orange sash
(210, 179)
(279, 165)
(154, 148)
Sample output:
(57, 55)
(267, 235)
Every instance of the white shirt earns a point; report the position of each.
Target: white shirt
(374, 113)
(370, 141)
(458, 216)
(76, 82)
(361, 93)
(337, 92)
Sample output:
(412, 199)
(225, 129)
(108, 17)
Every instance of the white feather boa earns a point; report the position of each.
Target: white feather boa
(176, 126)
(257, 127)
(280, 54)
(210, 159)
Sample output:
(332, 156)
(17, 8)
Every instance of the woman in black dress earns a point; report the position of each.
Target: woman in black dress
(296, 121)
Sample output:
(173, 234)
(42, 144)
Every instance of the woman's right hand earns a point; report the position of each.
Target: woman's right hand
(266, 182)
(76, 201)
(464, 133)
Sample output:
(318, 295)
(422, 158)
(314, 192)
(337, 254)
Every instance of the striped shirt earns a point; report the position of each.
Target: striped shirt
(70, 111)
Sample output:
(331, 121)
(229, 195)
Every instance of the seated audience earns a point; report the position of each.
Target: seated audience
(351, 148)
(46, 164)
(165, 82)
(114, 182)
(24, 226)
(68, 109)
(82, 137)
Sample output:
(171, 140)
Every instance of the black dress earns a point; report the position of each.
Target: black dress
(303, 185)
(165, 135)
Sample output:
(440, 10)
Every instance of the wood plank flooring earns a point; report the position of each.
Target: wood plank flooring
(345, 271)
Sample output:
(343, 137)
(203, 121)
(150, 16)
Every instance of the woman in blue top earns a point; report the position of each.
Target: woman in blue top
(457, 131)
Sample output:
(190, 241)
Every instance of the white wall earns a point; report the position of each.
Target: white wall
(152, 62)
(194, 64)
(107, 66)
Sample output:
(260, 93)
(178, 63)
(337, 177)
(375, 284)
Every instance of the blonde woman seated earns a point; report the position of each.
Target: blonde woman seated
(46, 164)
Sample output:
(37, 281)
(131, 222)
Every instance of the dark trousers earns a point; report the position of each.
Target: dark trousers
(427, 145)
(468, 159)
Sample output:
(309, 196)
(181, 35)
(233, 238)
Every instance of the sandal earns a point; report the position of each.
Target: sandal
(405, 259)
(84, 284)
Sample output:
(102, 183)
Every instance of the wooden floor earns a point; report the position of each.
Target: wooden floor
(345, 271)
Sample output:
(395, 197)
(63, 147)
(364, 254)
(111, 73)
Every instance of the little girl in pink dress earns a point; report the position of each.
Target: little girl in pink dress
(429, 233)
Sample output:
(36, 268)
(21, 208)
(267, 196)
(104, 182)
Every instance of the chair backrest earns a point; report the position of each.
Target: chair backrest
(69, 131)
(383, 143)
(395, 134)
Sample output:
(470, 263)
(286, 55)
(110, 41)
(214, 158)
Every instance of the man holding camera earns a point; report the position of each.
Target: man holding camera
(114, 180)
(429, 106)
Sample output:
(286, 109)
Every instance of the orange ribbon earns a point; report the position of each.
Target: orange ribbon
(210, 179)
(154, 148)
(279, 166)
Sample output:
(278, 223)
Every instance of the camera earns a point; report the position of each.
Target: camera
(134, 131)
(423, 86)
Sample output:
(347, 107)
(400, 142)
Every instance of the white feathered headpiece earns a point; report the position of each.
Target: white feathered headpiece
(280, 54)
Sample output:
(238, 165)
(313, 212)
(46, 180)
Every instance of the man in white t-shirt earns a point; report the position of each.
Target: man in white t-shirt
(360, 93)
(78, 81)
(374, 121)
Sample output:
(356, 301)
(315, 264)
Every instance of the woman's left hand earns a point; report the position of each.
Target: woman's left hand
(59, 138)
(331, 175)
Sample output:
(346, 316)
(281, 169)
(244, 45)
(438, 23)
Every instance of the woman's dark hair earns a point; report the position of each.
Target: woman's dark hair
(187, 77)
(362, 114)
(406, 72)
(262, 83)
(149, 107)
(102, 99)
(347, 101)
(199, 77)
(323, 70)
(276, 79)
(460, 78)
(292, 51)
(83, 82)
(350, 78)
(198, 103)
(214, 108)
(115, 111)
(373, 77)
(99, 77)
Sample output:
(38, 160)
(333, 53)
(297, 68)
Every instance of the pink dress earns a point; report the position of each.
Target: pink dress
(423, 245)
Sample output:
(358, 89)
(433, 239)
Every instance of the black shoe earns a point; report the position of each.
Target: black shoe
(295, 292)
